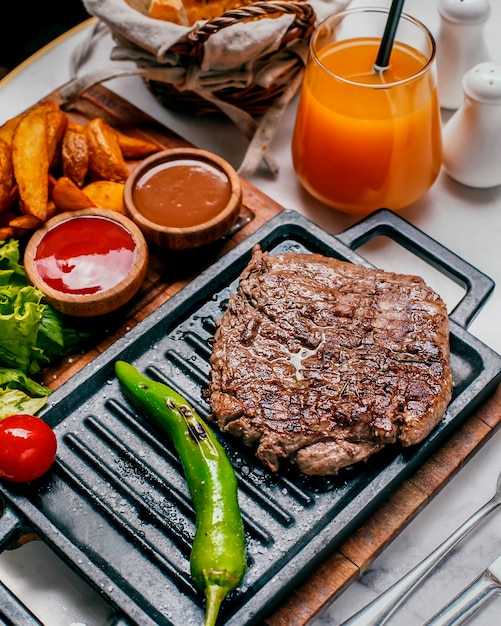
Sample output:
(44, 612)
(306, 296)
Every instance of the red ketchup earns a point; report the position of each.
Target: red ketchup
(85, 255)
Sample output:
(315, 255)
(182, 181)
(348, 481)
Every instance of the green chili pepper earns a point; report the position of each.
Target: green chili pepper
(217, 559)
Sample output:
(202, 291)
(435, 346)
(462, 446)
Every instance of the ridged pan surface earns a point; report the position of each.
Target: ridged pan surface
(116, 506)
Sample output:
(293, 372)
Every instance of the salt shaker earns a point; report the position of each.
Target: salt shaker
(472, 136)
(460, 45)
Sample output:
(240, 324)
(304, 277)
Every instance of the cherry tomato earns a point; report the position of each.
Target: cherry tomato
(28, 447)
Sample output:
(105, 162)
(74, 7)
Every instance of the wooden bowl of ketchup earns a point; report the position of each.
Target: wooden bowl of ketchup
(88, 262)
(183, 198)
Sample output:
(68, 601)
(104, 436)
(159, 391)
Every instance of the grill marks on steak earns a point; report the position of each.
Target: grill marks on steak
(324, 362)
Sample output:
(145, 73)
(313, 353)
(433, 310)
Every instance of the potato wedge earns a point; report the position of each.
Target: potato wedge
(67, 196)
(6, 232)
(7, 180)
(105, 157)
(134, 147)
(7, 128)
(52, 182)
(30, 159)
(75, 154)
(57, 122)
(26, 222)
(106, 194)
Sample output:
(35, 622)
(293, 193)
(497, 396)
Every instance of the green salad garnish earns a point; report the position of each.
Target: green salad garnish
(32, 333)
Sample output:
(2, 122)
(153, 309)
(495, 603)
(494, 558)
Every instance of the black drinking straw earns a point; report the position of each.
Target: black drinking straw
(383, 55)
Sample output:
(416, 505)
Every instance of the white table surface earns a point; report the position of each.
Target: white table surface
(466, 220)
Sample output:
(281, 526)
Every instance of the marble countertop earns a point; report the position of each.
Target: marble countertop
(466, 220)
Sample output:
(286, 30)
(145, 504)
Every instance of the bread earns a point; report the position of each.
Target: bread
(188, 12)
(169, 11)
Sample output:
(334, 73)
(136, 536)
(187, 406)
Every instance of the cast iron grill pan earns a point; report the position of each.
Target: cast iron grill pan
(115, 506)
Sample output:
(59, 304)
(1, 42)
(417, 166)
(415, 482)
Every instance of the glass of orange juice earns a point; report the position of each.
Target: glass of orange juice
(366, 139)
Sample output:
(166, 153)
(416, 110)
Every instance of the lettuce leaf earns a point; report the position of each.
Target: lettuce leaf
(20, 316)
(19, 393)
(32, 333)
(11, 271)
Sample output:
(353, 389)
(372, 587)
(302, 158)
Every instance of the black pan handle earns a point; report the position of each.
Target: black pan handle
(14, 611)
(11, 608)
(478, 286)
(13, 530)
(10, 525)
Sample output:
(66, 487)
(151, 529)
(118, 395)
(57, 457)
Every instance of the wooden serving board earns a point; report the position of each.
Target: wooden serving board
(353, 557)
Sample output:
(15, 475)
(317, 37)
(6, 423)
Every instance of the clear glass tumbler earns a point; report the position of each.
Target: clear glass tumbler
(366, 139)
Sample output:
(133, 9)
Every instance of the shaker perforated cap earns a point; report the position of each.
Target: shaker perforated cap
(465, 11)
(483, 83)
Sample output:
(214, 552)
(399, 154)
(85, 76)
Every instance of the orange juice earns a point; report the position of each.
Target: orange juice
(364, 140)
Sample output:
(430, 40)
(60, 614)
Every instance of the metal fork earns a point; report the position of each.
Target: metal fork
(380, 610)
(471, 599)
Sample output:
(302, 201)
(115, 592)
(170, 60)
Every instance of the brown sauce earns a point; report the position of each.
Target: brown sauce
(182, 193)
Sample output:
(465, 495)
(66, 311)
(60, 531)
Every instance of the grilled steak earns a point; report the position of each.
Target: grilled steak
(323, 362)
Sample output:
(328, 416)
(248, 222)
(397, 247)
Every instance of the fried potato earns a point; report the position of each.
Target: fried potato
(26, 222)
(7, 128)
(11, 199)
(106, 160)
(6, 232)
(67, 196)
(30, 160)
(51, 163)
(30, 222)
(7, 180)
(57, 122)
(75, 154)
(106, 194)
(52, 182)
(134, 147)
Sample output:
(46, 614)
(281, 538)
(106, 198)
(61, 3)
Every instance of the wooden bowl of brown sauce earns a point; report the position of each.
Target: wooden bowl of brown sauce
(183, 198)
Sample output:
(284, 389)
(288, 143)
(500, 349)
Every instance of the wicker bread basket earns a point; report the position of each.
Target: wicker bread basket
(254, 98)
(184, 52)
(247, 64)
